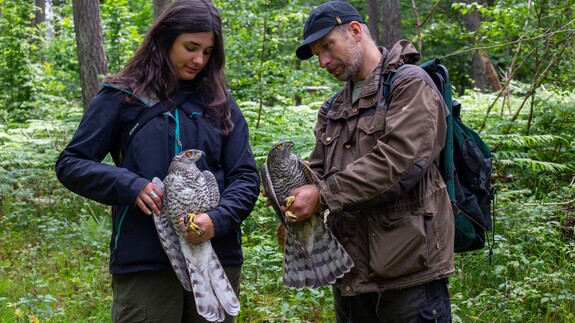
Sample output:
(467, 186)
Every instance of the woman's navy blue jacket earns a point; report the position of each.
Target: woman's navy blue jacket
(134, 244)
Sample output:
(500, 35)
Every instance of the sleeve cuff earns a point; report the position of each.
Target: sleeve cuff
(327, 198)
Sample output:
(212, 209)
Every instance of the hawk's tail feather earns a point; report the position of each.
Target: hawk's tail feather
(207, 304)
(222, 287)
(332, 251)
(301, 271)
(328, 262)
(290, 235)
(170, 242)
(324, 267)
(298, 270)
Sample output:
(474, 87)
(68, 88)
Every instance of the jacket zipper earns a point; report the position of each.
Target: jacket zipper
(118, 228)
(178, 144)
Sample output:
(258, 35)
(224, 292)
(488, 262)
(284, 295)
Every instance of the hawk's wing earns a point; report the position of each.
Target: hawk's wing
(310, 176)
(271, 193)
(212, 190)
(170, 242)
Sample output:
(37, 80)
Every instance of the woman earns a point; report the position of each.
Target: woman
(181, 53)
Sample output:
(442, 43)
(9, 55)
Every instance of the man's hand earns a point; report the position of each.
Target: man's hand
(306, 202)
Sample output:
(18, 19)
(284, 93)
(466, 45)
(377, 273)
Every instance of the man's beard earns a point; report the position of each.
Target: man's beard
(352, 64)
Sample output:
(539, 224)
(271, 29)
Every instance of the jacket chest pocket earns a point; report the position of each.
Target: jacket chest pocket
(329, 141)
(370, 127)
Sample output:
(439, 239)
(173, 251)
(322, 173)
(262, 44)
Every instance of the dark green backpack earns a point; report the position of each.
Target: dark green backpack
(466, 166)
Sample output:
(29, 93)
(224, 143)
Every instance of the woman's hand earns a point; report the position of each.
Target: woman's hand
(150, 199)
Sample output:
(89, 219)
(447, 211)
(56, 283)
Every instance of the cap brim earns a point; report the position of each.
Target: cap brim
(303, 52)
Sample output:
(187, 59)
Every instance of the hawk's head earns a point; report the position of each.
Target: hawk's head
(281, 148)
(189, 156)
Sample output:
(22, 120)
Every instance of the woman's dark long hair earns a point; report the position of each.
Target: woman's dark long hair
(150, 70)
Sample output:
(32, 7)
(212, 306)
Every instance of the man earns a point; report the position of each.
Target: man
(378, 163)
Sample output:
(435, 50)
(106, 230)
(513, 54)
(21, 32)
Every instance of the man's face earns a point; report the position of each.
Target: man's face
(339, 54)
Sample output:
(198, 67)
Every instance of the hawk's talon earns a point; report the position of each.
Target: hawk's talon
(289, 200)
(191, 225)
(291, 218)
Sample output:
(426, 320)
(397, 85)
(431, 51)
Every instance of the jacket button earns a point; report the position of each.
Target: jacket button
(354, 110)
(348, 146)
(347, 288)
(328, 138)
(345, 239)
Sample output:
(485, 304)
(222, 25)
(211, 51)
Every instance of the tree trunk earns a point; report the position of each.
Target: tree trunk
(159, 6)
(373, 19)
(40, 13)
(391, 23)
(490, 72)
(483, 68)
(472, 21)
(90, 47)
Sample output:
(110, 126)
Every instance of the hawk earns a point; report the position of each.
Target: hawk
(312, 255)
(187, 191)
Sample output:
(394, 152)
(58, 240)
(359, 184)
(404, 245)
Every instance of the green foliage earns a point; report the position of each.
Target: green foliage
(531, 40)
(273, 124)
(48, 234)
(126, 22)
(19, 53)
(529, 277)
(261, 38)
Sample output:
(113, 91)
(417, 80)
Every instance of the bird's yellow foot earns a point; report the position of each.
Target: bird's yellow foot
(289, 200)
(191, 225)
(291, 218)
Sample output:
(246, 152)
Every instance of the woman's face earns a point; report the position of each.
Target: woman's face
(190, 53)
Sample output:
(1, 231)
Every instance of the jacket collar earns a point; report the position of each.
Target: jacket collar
(402, 52)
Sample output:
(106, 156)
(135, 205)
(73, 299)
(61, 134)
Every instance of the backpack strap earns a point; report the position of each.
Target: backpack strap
(333, 97)
(388, 82)
(162, 106)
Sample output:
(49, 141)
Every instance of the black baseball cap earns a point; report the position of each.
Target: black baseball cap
(322, 20)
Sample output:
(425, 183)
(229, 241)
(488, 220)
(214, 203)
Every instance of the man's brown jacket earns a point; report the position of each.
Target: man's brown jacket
(388, 203)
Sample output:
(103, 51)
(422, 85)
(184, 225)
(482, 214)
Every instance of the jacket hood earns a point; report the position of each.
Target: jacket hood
(403, 52)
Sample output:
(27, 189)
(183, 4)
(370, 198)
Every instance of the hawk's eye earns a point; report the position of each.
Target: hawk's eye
(189, 154)
(279, 147)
